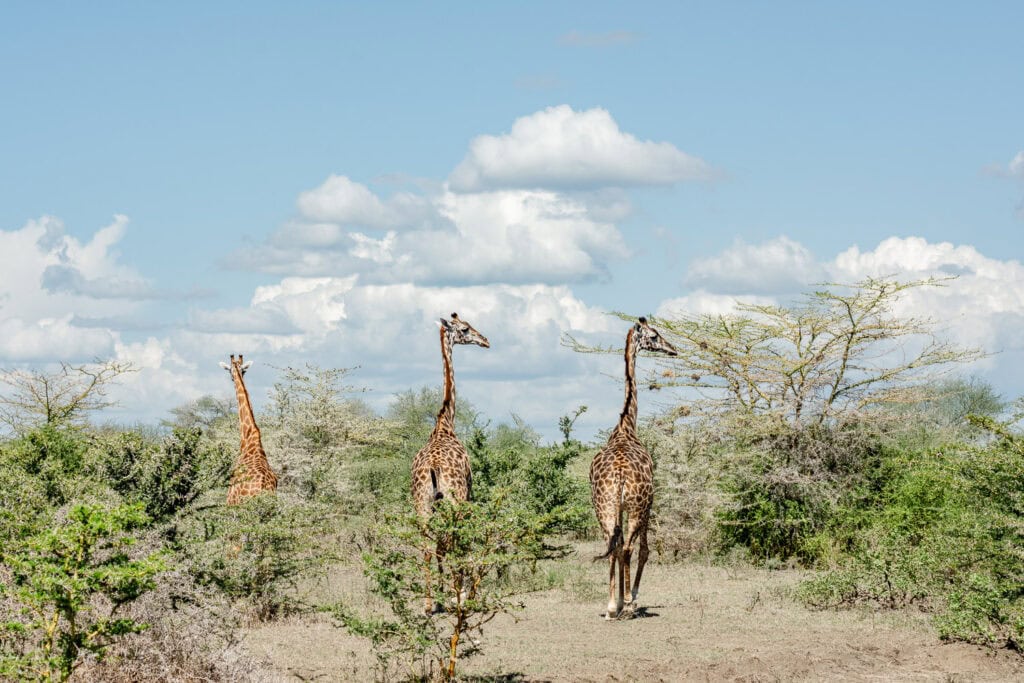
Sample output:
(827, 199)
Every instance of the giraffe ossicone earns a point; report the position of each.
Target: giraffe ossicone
(251, 475)
(622, 480)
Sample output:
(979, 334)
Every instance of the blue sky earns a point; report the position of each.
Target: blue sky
(750, 145)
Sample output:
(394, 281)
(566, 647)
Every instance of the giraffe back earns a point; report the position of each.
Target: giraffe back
(252, 474)
(622, 476)
(440, 470)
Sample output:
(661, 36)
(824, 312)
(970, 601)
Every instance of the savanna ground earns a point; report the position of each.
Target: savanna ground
(697, 621)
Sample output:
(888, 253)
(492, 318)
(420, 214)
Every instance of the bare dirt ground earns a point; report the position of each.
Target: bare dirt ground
(697, 622)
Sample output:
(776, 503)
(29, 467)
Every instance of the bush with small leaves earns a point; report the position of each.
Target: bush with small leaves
(314, 428)
(257, 552)
(24, 507)
(55, 457)
(166, 475)
(509, 457)
(68, 586)
(942, 531)
(480, 541)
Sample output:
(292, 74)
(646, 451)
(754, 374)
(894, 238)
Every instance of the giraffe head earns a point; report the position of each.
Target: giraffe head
(242, 367)
(649, 339)
(461, 332)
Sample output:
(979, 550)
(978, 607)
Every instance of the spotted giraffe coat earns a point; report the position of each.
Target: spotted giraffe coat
(252, 474)
(441, 468)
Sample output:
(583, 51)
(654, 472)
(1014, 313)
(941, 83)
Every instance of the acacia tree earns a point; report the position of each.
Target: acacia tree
(784, 404)
(315, 425)
(37, 397)
(833, 355)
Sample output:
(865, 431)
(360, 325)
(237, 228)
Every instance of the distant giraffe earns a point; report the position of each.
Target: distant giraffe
(252, 474)
(441, 468)
(622, 479)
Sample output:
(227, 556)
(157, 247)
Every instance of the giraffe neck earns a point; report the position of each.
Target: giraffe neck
(446, 416)
(627, 420)
(246, 420)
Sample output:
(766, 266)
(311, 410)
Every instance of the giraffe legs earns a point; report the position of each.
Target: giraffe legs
(432, 606)
(614, 596)
(624, 556)
(640, 562)
(612, 529)
(627, 555)
(429, 607)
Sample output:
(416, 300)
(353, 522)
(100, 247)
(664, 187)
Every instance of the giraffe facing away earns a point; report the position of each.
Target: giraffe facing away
(252, 474)
(441, 468)
(622, 479)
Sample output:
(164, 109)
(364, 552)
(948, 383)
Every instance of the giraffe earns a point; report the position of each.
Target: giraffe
(441, 468)
(622, 479)
(252, 474)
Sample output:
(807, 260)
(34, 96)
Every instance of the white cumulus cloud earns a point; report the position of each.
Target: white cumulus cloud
(163, 379)
(778, 265)
(49, 281)
(563, 148)
(981, 306)
(46, 339)
(511, 236)
(702, 302)
(340, 201)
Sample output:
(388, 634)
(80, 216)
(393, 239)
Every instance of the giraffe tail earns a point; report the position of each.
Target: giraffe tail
(438, 495)
(614, 543)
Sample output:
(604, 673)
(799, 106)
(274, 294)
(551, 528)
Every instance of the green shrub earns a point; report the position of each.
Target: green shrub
(24, 506)
(481, 541)
(166, 475)
(55, 457)
(379, 482)
(783, 486)
(510, 458)
(69, 584)
(942, 532)
(257, 552)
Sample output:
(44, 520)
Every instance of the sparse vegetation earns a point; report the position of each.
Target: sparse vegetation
(941, 530)
(795, 442)
(483, 541)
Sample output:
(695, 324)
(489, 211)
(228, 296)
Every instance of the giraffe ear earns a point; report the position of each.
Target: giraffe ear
(225, 366)
(246, 366)
(445, 324)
